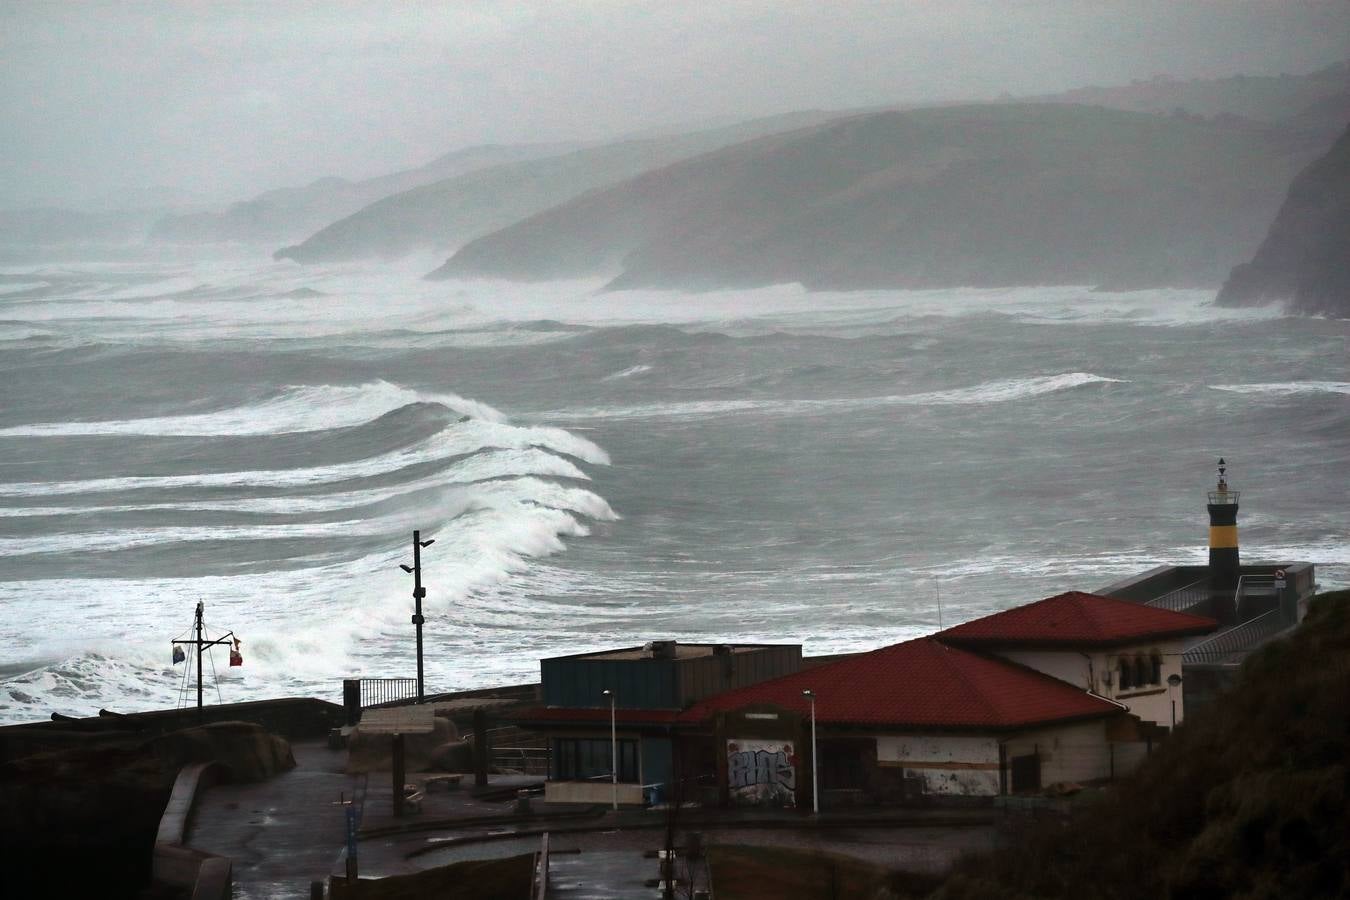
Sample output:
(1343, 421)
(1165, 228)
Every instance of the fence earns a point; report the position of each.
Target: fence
(363, 693)
(516, 750)
(375, 691)
(1244, 637)
(1183, 598)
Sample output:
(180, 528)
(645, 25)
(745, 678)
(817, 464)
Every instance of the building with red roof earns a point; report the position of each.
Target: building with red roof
(1071, 688)
(1129, 652)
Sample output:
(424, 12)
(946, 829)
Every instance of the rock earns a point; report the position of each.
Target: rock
(453, 756)
(1305, 258)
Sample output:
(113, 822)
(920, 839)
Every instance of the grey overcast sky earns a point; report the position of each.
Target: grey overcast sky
(103, 101)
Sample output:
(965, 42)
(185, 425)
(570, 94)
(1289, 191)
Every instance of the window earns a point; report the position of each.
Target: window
(1126, 673)
(1141, 672)
(579, 759)
(1155, 668)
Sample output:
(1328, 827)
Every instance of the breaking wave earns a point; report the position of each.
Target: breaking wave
(1286, 388)
(294, 409)
(1000, 391)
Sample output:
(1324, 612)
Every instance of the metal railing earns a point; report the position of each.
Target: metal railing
(539, 884)
(1183, 598)
(375, 691)
(1236, 640)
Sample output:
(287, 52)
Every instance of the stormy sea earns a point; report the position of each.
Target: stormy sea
(843, 470)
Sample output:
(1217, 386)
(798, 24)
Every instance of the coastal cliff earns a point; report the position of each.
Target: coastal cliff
(1015, 194)
(1305, 258)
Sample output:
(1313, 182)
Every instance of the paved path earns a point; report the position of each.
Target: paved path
(282, 833)
(601, 875)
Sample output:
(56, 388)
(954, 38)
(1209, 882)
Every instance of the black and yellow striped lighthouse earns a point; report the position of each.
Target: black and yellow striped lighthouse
(1223, 536)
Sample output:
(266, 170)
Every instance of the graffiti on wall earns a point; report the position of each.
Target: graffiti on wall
(762, 772)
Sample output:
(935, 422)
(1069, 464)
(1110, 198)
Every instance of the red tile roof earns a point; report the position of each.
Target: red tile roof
(920, 683)
(1083, 620)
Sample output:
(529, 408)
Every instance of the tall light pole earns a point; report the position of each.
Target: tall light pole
(418, 593)
(1172, 681)
(815, 763)
(613, 749)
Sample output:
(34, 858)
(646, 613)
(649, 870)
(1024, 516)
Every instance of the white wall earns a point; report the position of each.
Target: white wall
(1071, 666)
(1069, 753)
(1151, 703)
(947, 764)
(1098, 671)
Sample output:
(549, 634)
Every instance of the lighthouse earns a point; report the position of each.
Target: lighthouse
(1223, 536)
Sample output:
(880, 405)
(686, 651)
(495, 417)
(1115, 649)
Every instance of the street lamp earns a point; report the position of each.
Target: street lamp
(1172, 681)
(613, 750)
(415, 570)
(815, 765)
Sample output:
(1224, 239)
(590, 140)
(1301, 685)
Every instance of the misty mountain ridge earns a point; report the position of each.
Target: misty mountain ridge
(989, 195)
(1307, 99)
(1304, 260)
(445, 214)
(293, 212)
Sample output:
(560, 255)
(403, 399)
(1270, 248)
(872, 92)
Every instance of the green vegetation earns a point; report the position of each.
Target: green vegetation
(1248, 800)
(750, 873)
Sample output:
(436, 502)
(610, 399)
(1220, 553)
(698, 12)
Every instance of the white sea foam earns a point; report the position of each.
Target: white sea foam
(627, 373)
(18, 287)
(1286, 388)
(294, 409)
(1001, 391)
(458, 439)
(453, 501)
(1005, 390)
(293, 642)
(492, 464)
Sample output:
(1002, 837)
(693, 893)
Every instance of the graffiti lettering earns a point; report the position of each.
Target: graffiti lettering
(761, 772)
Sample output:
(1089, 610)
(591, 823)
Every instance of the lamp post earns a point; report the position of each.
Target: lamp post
(815, 764)
(415, 570)
(613, 750)
(1172, 681)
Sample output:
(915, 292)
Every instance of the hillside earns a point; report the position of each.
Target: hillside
(445, 214)
(1305, 258)
(291, 213)
(1248, 799)
(1012, 194)
(1261, 98)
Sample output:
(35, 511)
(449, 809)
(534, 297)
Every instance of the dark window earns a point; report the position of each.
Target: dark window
(1026, 773)
(841, 766)
(579, 759)
(1141, 669)
(1155, 669)
(1126, 674)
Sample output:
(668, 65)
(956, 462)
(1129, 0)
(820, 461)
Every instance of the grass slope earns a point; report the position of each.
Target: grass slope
(1010, 194)
(1248, 800)
(445, 213)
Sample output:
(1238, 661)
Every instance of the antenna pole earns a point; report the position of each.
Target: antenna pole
(418, 593)
(200, 649)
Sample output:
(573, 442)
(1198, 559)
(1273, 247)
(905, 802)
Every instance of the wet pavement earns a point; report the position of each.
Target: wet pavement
(288, 831)
(282, 833)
